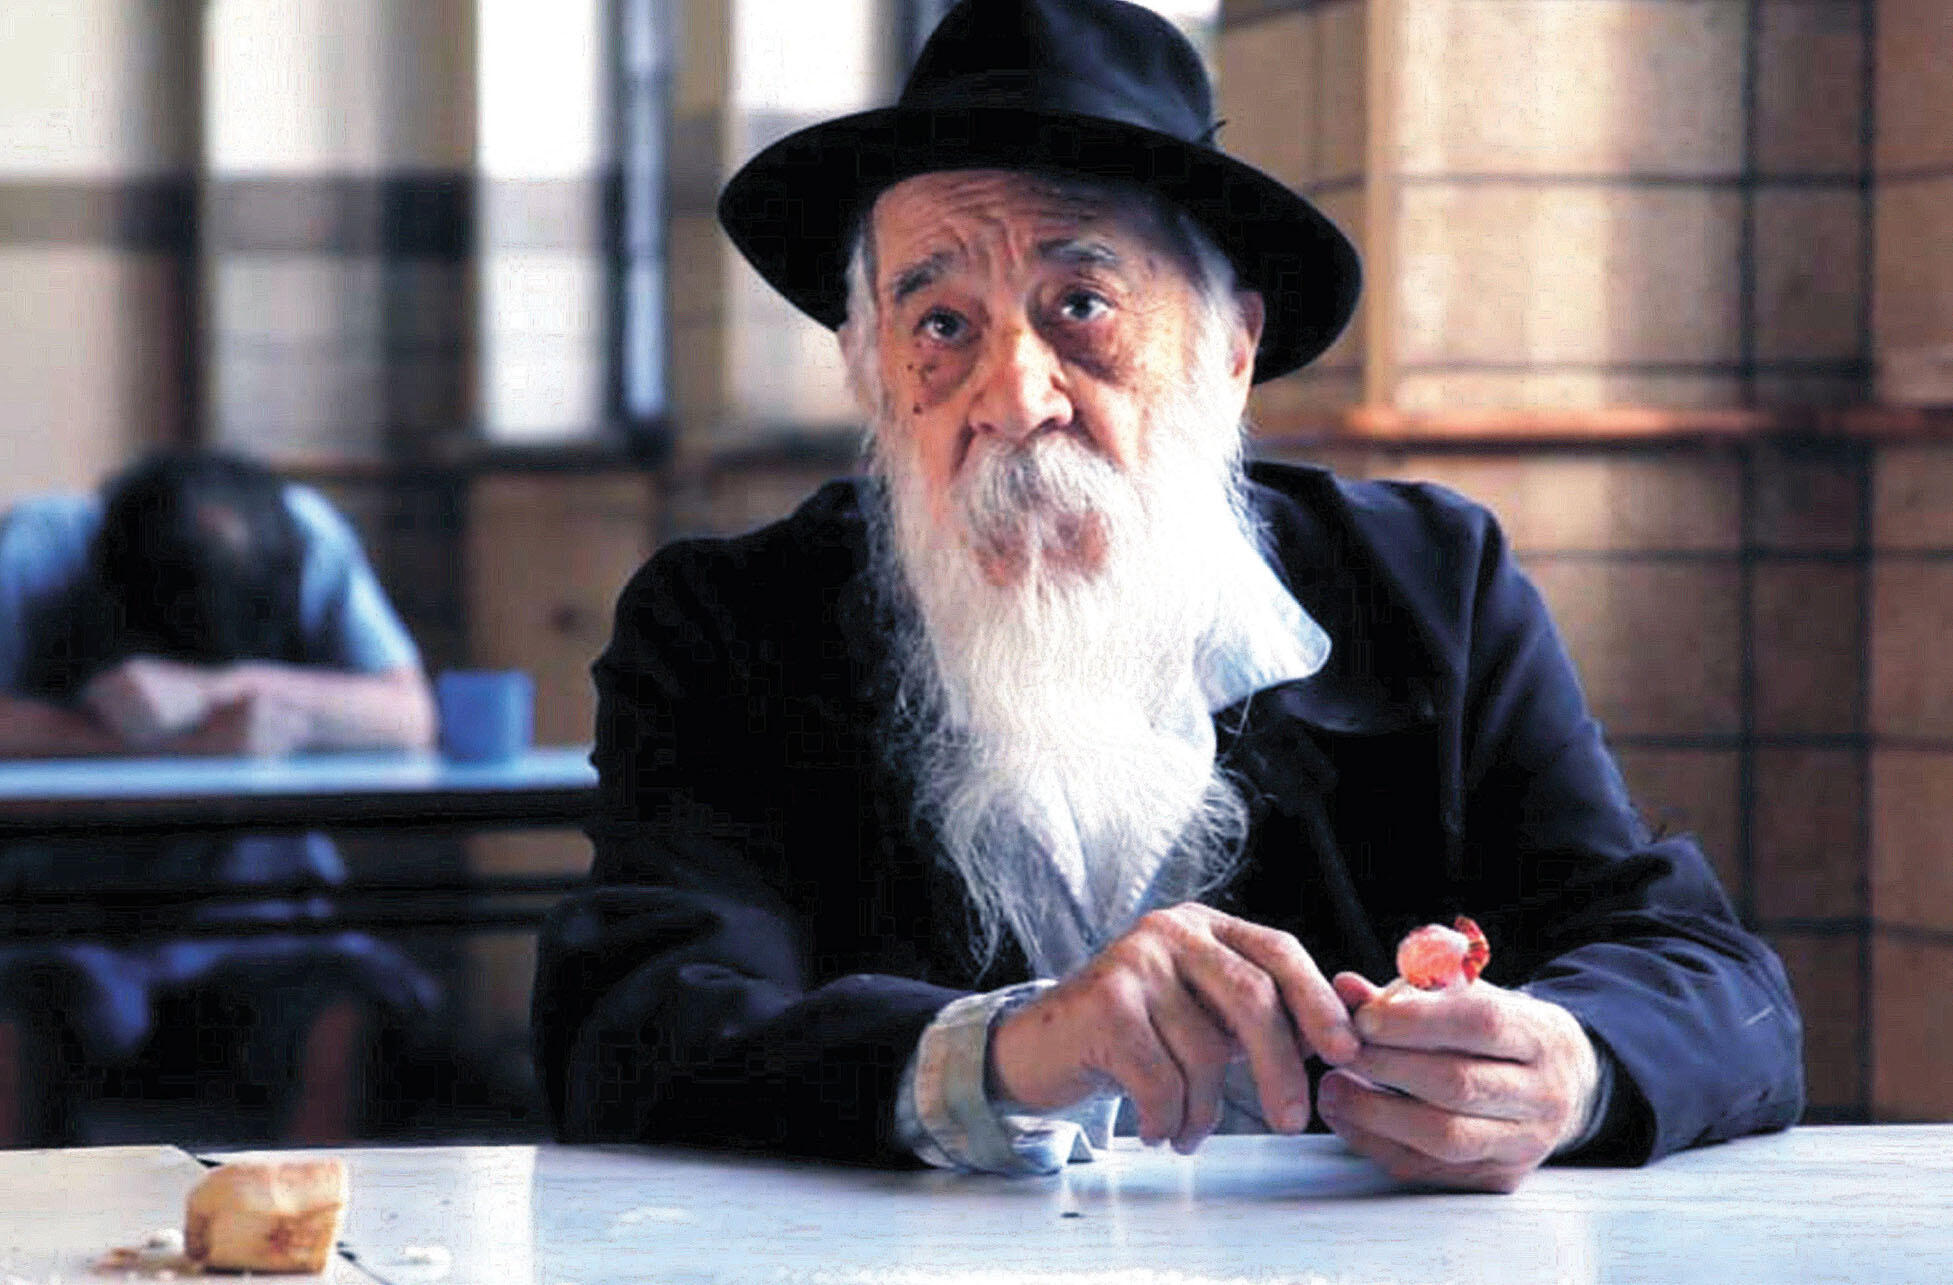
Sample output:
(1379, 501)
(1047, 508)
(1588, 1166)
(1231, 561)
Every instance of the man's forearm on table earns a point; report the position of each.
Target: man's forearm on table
(36, 729)
(389, 710)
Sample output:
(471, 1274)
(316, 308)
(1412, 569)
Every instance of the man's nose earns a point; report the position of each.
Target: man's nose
(1022, 390)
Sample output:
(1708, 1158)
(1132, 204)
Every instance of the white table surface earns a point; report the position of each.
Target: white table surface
(551, 767)
(61, 1211)
(1837, 1204)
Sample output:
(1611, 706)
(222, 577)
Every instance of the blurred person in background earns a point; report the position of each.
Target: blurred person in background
(1068, 767)
(199, 605)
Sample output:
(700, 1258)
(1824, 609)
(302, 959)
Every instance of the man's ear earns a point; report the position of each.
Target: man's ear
(1252, 313)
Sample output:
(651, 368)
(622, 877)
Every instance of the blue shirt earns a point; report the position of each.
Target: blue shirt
(347, 624)
(347, 620)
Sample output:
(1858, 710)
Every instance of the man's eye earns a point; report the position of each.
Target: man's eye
(942, 326)
(1082, 305)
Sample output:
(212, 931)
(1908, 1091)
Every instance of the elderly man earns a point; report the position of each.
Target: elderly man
(1064, 762)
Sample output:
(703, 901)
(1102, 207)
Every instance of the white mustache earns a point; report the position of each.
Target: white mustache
(1050, 505)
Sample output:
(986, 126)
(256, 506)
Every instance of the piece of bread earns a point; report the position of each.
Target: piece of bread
(269, 1217)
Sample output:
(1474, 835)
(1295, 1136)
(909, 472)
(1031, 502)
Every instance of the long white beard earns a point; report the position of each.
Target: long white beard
(1057, 725)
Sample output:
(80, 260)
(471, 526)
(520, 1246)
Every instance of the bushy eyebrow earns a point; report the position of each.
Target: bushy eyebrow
(1071, 251)
(1079, 252)
(917, 275)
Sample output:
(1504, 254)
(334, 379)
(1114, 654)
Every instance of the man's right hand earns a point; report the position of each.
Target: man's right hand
(145, 700)
(1161, 1012)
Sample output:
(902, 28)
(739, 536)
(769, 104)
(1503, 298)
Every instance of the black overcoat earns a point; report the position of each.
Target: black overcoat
(767, 932)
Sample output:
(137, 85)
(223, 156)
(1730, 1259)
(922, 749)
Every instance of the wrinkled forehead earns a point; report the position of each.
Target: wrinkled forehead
(1004, 220)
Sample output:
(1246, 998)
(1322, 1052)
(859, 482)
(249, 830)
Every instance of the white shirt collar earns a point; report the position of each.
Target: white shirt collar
(1270, 640)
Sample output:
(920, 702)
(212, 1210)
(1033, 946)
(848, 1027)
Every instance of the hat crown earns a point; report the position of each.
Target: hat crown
(1100, 58)
(1099, 89)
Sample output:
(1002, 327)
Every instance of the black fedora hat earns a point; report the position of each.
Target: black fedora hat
(1095, 88)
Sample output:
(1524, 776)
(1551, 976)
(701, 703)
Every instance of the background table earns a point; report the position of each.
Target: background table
(548, 786)
(465, 913)
(1839, 1204)
(400, 791)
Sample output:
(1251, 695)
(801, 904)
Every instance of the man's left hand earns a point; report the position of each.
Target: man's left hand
(1490, 1083)
(145, 699)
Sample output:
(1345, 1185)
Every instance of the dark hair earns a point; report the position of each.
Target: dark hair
(199, 559)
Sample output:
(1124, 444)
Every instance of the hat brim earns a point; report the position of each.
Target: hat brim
(793, 208)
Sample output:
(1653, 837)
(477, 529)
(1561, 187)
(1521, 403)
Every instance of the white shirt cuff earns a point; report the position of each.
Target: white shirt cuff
(944, 1114)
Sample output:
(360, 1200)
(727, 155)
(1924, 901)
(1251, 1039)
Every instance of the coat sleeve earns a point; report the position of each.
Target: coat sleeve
(682, 997)
(1631, 934)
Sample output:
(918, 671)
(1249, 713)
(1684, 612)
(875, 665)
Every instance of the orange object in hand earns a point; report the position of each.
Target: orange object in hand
(1436, 958)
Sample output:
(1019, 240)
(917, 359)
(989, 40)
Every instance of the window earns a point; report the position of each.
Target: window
(644, 103)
